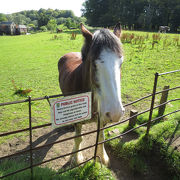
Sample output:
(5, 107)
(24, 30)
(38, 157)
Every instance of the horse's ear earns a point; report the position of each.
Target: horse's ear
(86, 33)
(117, 30)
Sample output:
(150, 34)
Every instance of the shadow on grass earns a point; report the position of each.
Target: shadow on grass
(173, 138)
(48, 138)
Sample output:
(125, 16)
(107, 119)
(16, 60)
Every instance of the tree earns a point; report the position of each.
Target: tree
(43, 28)
(2, 17)
(19, 18)
(52, 25)
(61, 20)
(94, 11)
(43, 19)
(31, 27)
(66, 14)
(71, 23)
(140, 14)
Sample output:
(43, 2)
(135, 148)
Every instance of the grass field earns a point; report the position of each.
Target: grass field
(31, 62)
(89, 171)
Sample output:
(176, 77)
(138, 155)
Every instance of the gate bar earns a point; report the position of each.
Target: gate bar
(115, 124)
(169, 72)
(152, 102)
(30, 138)
(144, 124)
(97, 137)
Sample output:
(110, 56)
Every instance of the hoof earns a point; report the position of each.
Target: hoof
(103, 157)
(104, 160)
(76, 159)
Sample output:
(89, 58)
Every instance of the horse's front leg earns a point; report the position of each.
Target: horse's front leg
(77, 158)
(101, 152)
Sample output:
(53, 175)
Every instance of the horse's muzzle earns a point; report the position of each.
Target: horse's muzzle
(114, 116)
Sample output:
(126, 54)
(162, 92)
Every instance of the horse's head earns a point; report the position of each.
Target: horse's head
(103, 51)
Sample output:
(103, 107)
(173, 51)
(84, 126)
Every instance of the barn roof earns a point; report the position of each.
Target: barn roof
(7, 22)
(22, 26)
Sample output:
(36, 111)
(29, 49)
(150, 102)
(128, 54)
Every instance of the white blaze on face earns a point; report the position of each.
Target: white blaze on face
(108, 76)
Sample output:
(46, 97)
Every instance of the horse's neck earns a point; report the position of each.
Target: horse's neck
(87, 85)
(86, 75)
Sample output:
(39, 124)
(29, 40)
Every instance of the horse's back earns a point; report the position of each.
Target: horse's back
(70, 72)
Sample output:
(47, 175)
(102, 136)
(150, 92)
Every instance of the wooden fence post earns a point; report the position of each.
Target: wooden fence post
(163, 100)
(133, 120)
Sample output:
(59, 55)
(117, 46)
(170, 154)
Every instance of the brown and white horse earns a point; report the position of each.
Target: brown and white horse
(95, 69)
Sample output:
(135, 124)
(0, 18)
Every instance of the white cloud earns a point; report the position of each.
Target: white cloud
(10, 6)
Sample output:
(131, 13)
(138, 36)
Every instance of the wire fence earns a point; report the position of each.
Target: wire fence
(29, 100)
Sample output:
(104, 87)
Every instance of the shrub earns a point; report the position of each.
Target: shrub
(52, 25)
(155, 39)
(43, 28)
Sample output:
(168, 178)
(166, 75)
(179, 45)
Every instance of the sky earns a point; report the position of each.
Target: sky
(11, 6)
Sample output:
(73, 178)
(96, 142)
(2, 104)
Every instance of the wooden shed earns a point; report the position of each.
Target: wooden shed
(21, 29)
(8, 28)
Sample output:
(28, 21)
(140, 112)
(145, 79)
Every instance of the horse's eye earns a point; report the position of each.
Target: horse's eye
(94, 66)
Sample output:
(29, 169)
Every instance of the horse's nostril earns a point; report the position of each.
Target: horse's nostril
(123, 111)
(108, 114)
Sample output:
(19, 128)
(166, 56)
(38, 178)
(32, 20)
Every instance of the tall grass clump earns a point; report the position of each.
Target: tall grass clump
(166, 43)
(89, 171)
(176, 40)
(139, 39)
(127, 37)
(155, 39)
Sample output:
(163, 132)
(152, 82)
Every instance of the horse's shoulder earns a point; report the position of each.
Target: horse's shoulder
(69, 67)
(70, 58)
(71, 55)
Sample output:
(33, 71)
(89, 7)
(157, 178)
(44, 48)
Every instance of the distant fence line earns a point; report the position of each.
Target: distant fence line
(31, 149)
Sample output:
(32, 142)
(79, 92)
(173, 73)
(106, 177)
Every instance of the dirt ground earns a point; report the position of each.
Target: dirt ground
(48, 135)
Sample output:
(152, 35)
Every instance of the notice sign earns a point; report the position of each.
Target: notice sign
(70, 109)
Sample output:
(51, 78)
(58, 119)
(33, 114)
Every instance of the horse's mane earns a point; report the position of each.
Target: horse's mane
(102, 39)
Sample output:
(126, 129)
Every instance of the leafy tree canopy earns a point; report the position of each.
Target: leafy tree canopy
(52, 25)
(2, 17)
(42, 17)
(137, 14)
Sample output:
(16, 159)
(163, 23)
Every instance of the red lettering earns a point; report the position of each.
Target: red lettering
(79, 100)
(66, 103)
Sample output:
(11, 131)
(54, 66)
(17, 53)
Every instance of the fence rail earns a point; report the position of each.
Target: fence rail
(49, 124)
(30, 128)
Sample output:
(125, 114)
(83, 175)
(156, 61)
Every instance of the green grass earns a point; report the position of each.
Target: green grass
(31, 61)
(141, 64)
(89, 171)
(138, 152)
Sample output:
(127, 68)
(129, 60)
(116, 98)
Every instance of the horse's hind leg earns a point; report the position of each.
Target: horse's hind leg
(77, 158)
(101, 152)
